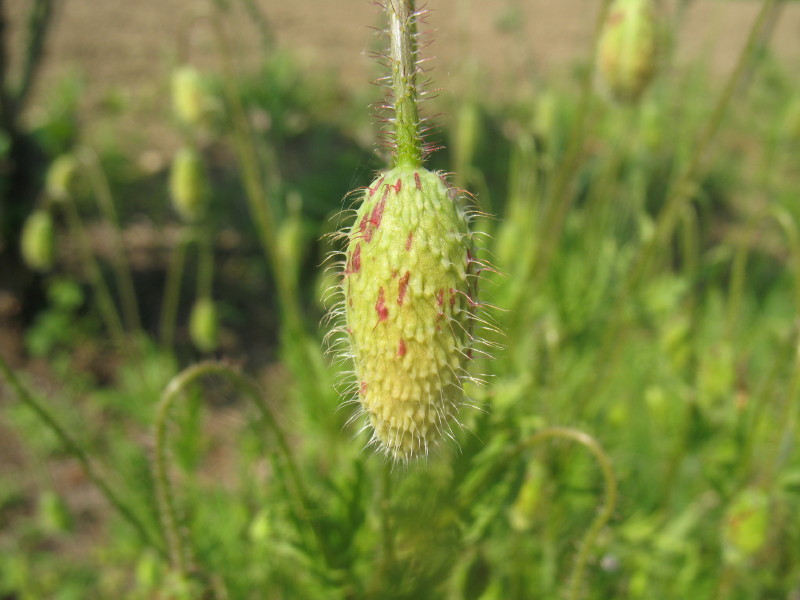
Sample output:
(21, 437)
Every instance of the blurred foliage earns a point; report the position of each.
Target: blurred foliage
(688, 374)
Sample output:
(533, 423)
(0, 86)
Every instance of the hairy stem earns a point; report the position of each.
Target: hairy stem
(609, 500)
(72, 447)
(179, 549)
(403, 55)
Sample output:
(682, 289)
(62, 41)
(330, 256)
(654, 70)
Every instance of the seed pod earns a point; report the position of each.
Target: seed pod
(60, 176)
(189, 98)
(627, 50)
(204, 325)
(409, 287)
(38, 241)
(188, 185)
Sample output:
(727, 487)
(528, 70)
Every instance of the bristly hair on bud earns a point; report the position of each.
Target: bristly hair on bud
(408, 314)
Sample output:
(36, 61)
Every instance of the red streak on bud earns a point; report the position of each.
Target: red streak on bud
(417, 181)
(398, 185)
(402, 287)
(380, 306)
(362, 389)
(452, 297)
(401, 347)
(440, 297)
(409, 239)
(355, 261)
(377, 185)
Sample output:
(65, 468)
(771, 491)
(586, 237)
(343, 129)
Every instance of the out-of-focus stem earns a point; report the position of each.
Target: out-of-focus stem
(122, 269)
(169, 306)
(105, 302)
(73, 448)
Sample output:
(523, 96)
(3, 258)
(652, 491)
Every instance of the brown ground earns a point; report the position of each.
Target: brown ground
(125, 50)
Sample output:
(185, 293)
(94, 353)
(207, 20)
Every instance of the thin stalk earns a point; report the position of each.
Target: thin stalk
(205, 274)
(681, 191)
(257, 197)
(179, 550)
(122, 268)
(403, 58)
(172, 289)
(38, 23)
(105, 301)
(74, 449)
(609, 499)
(558, 200)
(679, 194)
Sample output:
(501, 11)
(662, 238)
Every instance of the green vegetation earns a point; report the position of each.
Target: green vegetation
(636, 436)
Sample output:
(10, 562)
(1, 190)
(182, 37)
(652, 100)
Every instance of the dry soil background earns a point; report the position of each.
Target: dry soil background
(126, 48)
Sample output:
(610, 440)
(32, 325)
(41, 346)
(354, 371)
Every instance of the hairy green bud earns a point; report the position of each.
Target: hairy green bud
(409, 287)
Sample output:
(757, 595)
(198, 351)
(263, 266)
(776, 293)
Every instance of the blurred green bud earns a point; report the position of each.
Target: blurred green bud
(627, 50)
(60, 177)
(190, 101)
(188, 184)
(38, 241)
(54, 514)
(745, 525)
(204, 325)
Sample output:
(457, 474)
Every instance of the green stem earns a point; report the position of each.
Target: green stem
(172, 289)
(609, 500)
(257, 197)
(72, 447)
(122, 269)
(678, 195)
(681, 192)
(558, 199)
(177, 541)
(105, 302)
(403, 57)
(205, 275)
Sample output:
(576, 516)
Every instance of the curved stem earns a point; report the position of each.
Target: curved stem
(403, 57)
(72, 447)
(609, 501)
(177, 543)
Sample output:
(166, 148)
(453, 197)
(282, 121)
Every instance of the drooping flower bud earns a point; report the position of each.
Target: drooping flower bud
(188, 184)
(189, 98)
(204, 325)
(60, 176)
(409, 302)
(627, 50)
(38, 241)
